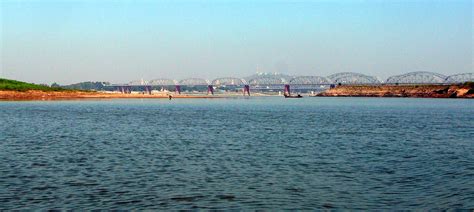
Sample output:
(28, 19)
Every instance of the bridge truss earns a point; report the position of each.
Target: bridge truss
(162, 82)
(460, 78)
(193, 82)
(228, 81)
(419, 77)
(353, 78)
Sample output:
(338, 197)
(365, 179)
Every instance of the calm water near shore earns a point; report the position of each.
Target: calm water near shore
(256, 153)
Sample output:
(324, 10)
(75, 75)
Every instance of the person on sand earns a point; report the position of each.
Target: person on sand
(170, 97)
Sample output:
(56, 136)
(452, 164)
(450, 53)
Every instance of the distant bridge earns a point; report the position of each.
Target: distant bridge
(277, 82)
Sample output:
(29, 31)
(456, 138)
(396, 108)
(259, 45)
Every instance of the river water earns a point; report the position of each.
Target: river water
(256, 153)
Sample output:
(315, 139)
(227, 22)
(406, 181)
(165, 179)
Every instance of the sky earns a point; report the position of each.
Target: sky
(69, 41)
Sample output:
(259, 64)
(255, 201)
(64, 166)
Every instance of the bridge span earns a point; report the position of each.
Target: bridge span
(263, 82)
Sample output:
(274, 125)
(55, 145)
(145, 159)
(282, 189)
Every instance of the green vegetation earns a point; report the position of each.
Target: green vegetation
(98, 86)
(13, 85)
(469, 84)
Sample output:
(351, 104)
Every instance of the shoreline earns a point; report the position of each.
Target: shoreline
(33, 95)
(393, 91)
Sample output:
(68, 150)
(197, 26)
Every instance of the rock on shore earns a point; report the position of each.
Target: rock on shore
(420, 91)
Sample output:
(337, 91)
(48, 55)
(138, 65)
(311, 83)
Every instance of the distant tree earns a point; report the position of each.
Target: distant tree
(55, 85)
(88, 86)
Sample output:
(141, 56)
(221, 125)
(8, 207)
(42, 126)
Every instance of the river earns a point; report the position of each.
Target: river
(237, 153)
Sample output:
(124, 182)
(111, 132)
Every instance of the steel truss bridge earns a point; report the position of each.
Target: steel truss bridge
(278, 82)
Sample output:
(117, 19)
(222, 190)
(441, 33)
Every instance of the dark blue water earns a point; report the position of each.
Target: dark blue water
(258, 153)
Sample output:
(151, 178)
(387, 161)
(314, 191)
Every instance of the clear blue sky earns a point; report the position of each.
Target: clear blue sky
(118, 41)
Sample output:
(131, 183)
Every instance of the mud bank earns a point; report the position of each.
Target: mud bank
(417, 91)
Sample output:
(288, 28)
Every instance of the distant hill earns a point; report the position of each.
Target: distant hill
(88, 86)
(13, 85)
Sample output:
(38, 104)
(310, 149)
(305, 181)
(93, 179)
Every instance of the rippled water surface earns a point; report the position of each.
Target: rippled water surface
(257, 153)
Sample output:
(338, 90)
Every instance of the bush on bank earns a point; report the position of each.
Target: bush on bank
(13, 85)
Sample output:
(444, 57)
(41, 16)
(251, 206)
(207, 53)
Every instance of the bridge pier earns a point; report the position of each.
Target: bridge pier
(246, 89)
(210, 89)
(287, 90)
(148, 89)
(177, 89)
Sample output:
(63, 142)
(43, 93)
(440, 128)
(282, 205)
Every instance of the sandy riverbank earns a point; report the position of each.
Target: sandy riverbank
(70, 95)
(417, 91)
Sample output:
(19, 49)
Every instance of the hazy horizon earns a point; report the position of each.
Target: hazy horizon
(119, 41)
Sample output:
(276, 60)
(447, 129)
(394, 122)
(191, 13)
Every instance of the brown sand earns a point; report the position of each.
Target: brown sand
(71, 95)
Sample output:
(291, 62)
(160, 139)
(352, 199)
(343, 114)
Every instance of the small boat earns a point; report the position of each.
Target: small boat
(289, 96)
